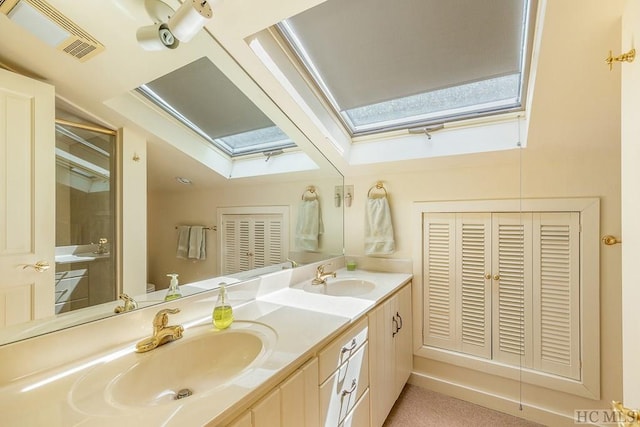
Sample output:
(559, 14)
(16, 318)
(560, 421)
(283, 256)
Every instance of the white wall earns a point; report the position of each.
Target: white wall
(133, 199)
(573, 151)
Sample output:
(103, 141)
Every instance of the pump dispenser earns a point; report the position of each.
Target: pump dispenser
(222, 312)
(174, 289)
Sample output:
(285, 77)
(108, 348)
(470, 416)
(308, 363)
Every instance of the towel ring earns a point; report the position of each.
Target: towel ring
(310, 193)
(378, 186)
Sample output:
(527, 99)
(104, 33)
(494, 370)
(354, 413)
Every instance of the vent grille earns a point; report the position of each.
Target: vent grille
(80, 44)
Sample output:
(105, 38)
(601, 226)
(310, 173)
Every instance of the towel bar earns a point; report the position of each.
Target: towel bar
(214, 228)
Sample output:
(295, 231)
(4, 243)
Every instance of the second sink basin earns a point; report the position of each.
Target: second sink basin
(204, 360)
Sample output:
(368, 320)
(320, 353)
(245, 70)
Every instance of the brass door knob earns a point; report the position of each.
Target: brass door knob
(496, 277)
(39, 266)
(487, 276)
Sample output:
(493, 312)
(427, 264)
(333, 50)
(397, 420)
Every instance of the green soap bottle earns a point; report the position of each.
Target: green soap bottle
(174, 289)
(222, 312)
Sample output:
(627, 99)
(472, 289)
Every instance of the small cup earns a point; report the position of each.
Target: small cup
(351, 265)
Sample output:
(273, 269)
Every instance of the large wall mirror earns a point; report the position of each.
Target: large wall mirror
(236, 154)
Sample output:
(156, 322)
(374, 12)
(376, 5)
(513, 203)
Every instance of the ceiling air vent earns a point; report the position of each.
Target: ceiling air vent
(45, 22)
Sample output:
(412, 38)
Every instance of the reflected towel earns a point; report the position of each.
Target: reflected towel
(378, 230)
(197, 242)
(183, 241)
(309, 226)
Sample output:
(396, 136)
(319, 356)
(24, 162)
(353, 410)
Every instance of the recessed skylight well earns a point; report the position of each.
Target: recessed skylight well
(204, 100)
(392, 65)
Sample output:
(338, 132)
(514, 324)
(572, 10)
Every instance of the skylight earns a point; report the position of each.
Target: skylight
(388, 65)
(215, 109)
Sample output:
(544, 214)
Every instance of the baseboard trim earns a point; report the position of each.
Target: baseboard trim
(493, 401)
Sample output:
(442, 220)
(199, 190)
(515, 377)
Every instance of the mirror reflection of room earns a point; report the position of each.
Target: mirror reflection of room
(85, 216)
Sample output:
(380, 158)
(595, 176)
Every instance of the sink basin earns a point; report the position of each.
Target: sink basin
(347, 287)
(204, 360)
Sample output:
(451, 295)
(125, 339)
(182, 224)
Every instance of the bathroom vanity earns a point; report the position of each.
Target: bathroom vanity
(333, 354)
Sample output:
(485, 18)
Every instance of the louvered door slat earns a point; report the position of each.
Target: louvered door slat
(473, 243)
(556, 285)
(439, 269)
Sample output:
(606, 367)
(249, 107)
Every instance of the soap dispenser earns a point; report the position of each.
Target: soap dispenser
(222, 311)
(174, 289)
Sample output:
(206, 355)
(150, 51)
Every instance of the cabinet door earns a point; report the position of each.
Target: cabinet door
(512, 288)
(403, 345)
(381, 361)
(242, 421)
(440, 297)
(300, 398)
(473, 287)
(266, 413)
(556, 293)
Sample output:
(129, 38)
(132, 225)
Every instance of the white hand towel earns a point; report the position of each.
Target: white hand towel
(183, 241)
(197, 242)
(378, 230)
(309, 225)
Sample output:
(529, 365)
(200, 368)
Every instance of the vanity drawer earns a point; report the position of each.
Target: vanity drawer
(72, 289)
(336, 353)
(359, 417)
(340, 392)
(76, 269)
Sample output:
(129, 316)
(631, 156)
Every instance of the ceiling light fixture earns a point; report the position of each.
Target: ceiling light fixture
(182, 26)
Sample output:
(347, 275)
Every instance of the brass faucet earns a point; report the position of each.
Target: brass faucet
(321, 276)
(102, 246)
(162, 333)
(129, 304)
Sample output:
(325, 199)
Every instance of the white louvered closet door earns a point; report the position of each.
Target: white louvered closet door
(512, 288)
(439, 266)
(251, 241)
(473, 287)
(556, 299)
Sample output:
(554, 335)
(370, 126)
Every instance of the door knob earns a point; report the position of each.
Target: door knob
(39, 266)
(487, 276)
(496, 277)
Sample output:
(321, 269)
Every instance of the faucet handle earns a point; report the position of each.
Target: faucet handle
(161, 318)
(129, 304)
(322, 266)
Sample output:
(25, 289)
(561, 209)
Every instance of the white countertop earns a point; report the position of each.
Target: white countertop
(303, 322)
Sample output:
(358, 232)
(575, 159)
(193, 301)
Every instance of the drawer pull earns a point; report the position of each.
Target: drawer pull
(354, 385)
(394, 326)
(351, 347)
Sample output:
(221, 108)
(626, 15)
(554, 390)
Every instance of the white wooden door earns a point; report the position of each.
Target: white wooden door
(27, 198)
(630, 206)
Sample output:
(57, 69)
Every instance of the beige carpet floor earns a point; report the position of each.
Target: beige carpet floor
(419, 407)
